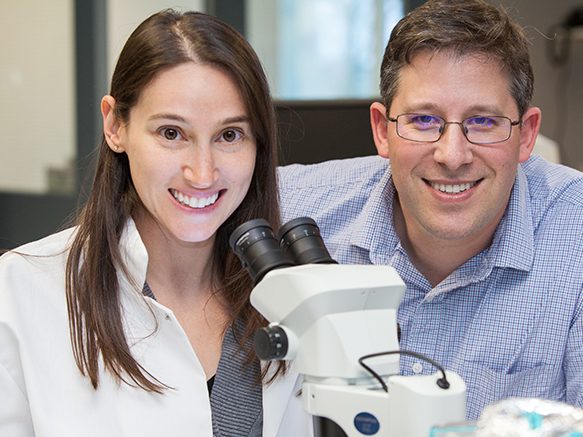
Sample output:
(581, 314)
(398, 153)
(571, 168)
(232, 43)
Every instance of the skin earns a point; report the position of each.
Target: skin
(192, 154)
(441, 230)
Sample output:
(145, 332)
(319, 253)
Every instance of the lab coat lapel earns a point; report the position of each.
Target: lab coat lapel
(276, 398)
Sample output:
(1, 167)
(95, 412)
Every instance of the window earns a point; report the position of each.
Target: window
(322, 49)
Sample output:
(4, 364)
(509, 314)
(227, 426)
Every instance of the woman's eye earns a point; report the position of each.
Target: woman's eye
(231, 135)
(170, 134)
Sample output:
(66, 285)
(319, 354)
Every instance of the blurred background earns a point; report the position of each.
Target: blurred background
(322, 59)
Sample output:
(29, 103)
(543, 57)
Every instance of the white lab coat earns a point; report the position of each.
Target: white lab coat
(42, 392)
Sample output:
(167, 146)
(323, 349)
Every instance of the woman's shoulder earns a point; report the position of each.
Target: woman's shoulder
(48, 243)
(46, 254)
(32, 285)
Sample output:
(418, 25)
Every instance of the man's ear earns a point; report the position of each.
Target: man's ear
(378, 123)
(111, 125)
(531, 121)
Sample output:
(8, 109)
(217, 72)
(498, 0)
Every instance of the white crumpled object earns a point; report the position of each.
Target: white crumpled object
(528, 417)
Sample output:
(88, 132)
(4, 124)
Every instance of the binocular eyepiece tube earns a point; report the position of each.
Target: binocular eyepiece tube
(298, 242)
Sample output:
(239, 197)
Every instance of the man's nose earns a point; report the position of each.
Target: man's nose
(453, 148)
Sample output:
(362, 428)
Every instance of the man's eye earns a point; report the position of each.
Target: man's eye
(424, 121)
(231, 135)
(482, 122)
(169, 133)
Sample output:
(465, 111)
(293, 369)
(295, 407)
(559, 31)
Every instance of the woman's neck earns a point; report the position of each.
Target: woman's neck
(178, 267)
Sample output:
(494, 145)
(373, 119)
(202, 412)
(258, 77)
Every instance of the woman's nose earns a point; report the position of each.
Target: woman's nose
(199, 167)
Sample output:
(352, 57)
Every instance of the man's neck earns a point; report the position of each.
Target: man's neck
(434, 258)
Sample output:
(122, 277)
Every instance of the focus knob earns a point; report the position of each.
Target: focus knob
(271, 343)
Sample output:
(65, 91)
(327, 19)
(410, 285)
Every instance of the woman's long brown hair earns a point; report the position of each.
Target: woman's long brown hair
(164, 40)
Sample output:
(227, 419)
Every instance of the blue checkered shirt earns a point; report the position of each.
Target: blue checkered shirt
(508, 321)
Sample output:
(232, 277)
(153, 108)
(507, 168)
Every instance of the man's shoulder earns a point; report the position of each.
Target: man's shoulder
(330, 192)
(332, 173)
(550, 183)
(555, 203)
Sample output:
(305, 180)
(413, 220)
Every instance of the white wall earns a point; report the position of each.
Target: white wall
(37, 120)
(558, 90)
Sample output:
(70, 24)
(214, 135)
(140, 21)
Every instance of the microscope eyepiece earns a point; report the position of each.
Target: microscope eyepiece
(299, 242)
(300, 238)
(258, 250)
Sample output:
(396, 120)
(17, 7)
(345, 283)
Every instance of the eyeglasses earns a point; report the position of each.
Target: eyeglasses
(478, 129)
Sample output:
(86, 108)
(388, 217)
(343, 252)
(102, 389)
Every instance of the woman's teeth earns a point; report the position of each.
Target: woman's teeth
(194, 202)
(452, 189)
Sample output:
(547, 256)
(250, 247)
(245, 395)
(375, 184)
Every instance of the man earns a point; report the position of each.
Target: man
(488, 239)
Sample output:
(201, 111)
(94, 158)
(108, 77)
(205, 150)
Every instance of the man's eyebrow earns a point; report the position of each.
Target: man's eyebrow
(421, 107)
(489, 109)
(472, 110)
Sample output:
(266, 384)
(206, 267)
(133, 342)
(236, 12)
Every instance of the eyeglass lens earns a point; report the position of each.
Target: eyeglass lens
(477, 129)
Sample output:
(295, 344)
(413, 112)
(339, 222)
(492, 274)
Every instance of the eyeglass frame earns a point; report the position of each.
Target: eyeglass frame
(460, 123)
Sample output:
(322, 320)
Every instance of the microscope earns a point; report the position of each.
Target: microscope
(338, 324)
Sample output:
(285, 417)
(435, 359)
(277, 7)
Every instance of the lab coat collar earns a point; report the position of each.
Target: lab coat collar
(277, 397)
(134, 255)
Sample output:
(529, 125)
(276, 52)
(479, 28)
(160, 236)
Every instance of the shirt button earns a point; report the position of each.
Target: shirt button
(417, 368)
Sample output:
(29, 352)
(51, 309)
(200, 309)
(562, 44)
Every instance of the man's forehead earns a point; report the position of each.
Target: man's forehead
(434, 80)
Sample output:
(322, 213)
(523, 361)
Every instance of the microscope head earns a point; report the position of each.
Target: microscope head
(323, 315)
(332, 315)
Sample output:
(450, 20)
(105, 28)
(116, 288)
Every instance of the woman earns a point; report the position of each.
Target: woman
(137, 321)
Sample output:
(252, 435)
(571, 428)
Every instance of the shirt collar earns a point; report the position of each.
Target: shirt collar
(374, 230)
(512, 246)
(513, 243)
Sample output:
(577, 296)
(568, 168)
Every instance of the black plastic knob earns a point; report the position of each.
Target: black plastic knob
(271, 343)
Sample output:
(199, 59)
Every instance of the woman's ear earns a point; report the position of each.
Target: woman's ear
(111, 125)
(378, 123)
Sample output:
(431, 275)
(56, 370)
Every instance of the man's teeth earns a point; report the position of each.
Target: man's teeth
(453, 189)
(194, 202)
